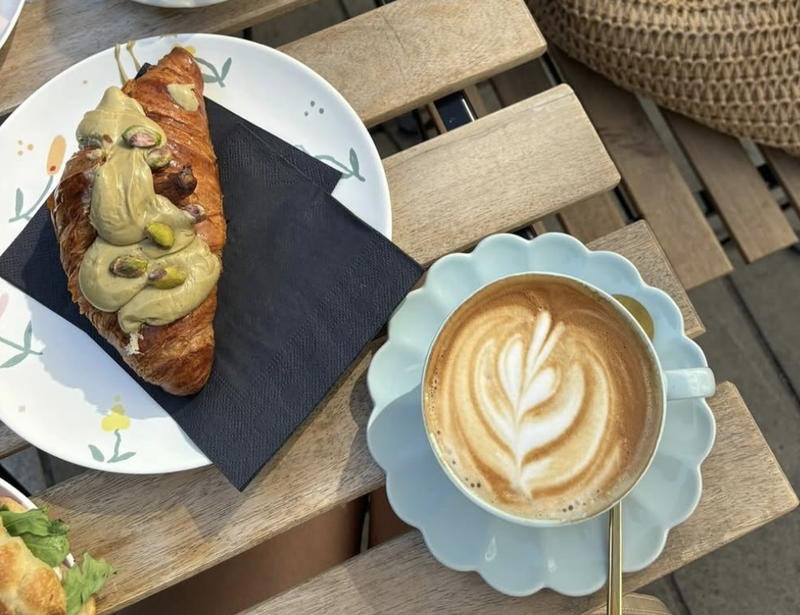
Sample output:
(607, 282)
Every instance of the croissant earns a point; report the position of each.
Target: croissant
(143, 256)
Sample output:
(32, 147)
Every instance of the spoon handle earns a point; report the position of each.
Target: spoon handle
(614, 602)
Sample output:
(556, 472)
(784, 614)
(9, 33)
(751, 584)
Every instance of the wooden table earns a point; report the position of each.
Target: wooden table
(739, 185)
(531, 159)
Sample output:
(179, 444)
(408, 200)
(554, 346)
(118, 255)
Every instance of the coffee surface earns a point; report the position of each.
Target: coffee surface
(541, 398)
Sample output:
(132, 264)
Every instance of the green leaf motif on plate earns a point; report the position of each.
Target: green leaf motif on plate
(19, 203)
(215, 76)
(19, 214)
(354, 170)
(24, 349)
(225, 68)
(116, 413)
(26, 337)
(16, 359)
(354, 163)
(122, 457)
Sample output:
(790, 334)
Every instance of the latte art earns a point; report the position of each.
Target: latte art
(537, 398)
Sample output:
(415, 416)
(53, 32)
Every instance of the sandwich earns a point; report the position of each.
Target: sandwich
(34, 579)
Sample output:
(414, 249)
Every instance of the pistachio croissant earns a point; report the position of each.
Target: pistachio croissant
(139, 221)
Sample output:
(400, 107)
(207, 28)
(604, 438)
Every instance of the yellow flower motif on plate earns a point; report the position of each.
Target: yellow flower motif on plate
(115, 421)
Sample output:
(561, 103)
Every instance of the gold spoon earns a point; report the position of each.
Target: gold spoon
(614, 601)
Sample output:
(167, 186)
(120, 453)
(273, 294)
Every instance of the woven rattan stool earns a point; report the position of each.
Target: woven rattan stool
(733, 65)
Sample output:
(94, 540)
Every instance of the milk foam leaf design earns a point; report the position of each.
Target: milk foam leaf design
(525, 383)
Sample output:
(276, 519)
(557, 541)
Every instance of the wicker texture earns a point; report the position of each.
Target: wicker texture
(733, 65)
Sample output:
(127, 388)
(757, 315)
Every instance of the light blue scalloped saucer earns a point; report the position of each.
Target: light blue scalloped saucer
(513, 559)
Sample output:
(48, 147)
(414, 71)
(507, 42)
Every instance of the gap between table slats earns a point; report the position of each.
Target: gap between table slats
(786, 169)
(589, 219)
(744, 488)
(159, 530)
(10, 442)
(650, 177)
(736, 188)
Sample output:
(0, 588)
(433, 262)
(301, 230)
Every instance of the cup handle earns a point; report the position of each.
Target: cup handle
(690, 383)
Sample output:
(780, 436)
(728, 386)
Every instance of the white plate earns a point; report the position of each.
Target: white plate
(180, 4)
(72, 400)
(9, 13)
(519, 560)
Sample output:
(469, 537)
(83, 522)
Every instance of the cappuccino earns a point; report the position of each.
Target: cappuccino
(542, 399)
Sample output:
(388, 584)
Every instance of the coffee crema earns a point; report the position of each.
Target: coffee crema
(541, 399)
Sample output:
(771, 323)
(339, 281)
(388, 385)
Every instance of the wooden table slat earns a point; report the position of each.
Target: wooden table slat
(158, 530)
(786, 169)
(10, 442)
(594, 217)
(456, 188)
(390, 60)
(743, 488)
(588, 219)
(384, 61)
(746, 205)
(649, 175)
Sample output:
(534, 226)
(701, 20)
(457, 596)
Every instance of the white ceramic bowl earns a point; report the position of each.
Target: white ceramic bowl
(7, 491)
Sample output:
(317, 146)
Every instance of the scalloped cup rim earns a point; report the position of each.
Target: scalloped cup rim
(550, 523)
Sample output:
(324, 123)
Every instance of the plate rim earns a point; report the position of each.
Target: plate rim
(167, 5)
(12, 23)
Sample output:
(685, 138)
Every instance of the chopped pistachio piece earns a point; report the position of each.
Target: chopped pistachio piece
(160, 234)
(195, 211)
(142, 136)
(166, 278)
(158, 158)
(128, 266)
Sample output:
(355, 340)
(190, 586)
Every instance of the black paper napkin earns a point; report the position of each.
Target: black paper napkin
(306, 284)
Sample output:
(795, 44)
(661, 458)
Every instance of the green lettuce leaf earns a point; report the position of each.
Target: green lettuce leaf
(81, 583)
(46, 539)
(50, 549)
(29, 522)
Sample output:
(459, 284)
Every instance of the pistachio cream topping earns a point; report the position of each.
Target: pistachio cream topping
(183, 94)
(147, 262)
